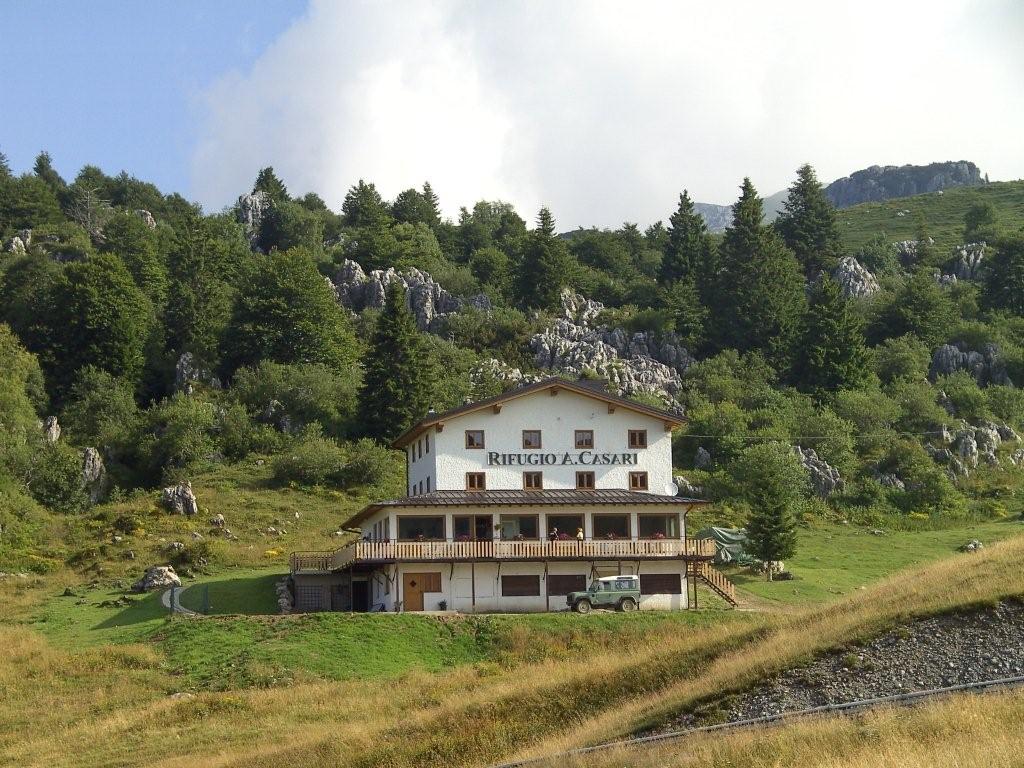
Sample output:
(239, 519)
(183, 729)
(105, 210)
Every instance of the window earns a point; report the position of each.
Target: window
(661, 584)
(412, 453)
(520, 586)
(564, 527)
(428, 484)
(563, 585)
(473, 527)
(518, 527)
(533, 481)
(638, 438)
(658, 526)
(421, 528)
(584, 438)
(638, 481)
(474, 438)
(531, 438)
(611, 526)
(476, 481)
(585, 481)
(426, 443)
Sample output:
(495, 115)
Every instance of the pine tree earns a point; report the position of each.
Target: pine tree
(44, 169)
(399, 377)
(267, 181)
(833, 354)
(1004, 281)
(546, 266)
(759, 296)
(775, 486)
(433, 203)
(690, 316)
(364, 207)
(687, 245)
(808, 224)
(5, 167)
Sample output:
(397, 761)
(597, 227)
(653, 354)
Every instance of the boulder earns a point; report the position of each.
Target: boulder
(218, 521)
(1007, 433)
(825, 479)
(687, 489)
(180, 499)
(157, 577)
(854, 279)
(967, 261)
(1018, 457)
(51, 429)
(972, 546)
(188, 373)
(426, 299)
(147, 218)
(985, 366)
(251, 210)
(20, 242)
(702, 459)
(889, 480)
(967, 448)
(94, 475)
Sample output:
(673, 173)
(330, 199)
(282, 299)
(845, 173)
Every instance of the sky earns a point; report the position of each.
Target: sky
(604, 111)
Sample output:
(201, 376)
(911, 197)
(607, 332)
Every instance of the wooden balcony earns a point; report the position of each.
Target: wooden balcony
(485, 550)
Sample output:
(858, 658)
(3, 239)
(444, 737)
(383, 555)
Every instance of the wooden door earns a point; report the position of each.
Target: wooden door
(413, 587)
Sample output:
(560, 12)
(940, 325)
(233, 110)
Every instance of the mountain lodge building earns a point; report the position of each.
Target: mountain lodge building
(515, 501)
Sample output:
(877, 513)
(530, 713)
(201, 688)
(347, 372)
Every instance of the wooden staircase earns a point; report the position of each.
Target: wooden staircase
(718, 583)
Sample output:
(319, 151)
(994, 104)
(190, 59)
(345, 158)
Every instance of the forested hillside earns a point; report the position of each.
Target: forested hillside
(144, 341)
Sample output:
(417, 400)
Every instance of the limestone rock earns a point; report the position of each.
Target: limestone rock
(890, 480)
(1007, 433)
(51, 429)
(972, 546)
(218, 521)
(20, 242)
(147, 218)
(157, 577)
(187, 373)
(687, 489)
(967, 448)
(986, 366)
(1018, 457)
(251, 210)
(854, 279)
(967, 261)
(180, 499)
(94, 475)
(825, 479)
(877, 183)
(426, 299)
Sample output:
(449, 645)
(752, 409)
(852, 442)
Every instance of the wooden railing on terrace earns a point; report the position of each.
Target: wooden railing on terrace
(489, 549)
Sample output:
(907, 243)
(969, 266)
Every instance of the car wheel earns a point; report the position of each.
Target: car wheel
(627, 605)
(582, 606)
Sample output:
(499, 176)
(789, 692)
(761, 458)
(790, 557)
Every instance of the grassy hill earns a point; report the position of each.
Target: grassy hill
(943, 214)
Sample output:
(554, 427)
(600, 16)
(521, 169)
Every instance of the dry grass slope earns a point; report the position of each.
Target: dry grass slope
(106, 707)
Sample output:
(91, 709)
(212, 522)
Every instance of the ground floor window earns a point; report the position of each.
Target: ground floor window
(611, 526)
(562, 585)
(520, 586)
(420, 528)
(516, 527)
(658, 526)
(661, 584)
(564, 527)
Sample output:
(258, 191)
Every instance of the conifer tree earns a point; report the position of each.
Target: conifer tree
(759, 296)
(364, 207)
(833, 354)
(399, 377)
(44, 169)
(5, 167)
(687, 245)
(546, 266)
(267, 181)
(690, 316)
(808, 224)
(1004, 281)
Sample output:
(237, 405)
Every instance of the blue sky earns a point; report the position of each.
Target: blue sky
(599, 109)
(115, 83)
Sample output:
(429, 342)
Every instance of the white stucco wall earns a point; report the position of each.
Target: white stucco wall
(558, 417)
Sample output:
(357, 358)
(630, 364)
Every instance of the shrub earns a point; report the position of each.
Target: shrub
(968, 399)
(312, 460)
(180, 434)
(240, 436)
(55, 479)
(1006, 403)
(306, 393)
(905, 357)
(367, 464)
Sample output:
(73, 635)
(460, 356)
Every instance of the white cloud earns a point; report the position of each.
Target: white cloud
(605, 110)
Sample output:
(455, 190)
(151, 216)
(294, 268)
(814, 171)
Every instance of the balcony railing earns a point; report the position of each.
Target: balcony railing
(494, 549)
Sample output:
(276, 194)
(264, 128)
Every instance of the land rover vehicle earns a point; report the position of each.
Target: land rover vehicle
(619, 592)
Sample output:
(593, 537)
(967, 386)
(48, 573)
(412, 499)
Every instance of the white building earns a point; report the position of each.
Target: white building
(515, 501)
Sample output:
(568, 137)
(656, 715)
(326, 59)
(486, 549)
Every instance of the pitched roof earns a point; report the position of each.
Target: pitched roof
(515, 498)
(587, 389)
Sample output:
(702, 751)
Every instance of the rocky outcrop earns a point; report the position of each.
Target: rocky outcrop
(94, 475)
(986, 366)
(51, 429)
(157, 577)
(825, 479)
(426, 299)
(716, 217)
(702, 458)
(885, 182)
(632, 363)
(180, 499)
(251, 210)
(889, 480)
(147, 218)
(20, 242)
(687, 489)
(187, 373)
(854, 279)
(906, 252)
(967, 261)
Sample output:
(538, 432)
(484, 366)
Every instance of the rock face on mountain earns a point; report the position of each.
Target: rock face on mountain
(251, 210)
(967, 261)
(825, 479)
(986, 366)
(885, 182)
(426, 299)
(147, 218)
(855, 280)
(633, 363)
(717, 217)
